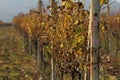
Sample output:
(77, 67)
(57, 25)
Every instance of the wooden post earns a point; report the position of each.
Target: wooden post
(52, 59)
(108, 33)
(93, 35)
(52, 69)
(40, 6)
(29, 45)
(38, 54)
(39, 59)
(108, 9)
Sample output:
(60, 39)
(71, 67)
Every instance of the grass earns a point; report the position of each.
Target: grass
(14, 62)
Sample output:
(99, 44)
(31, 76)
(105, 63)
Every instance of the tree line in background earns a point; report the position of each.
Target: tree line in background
(2, 23)
(58, 37)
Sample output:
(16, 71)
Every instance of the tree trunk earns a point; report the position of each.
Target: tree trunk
(94, 39)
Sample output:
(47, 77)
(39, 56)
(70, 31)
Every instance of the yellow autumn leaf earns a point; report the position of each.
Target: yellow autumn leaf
(80, 39)
(61, 45)
(42, 23)
(67, 4)
(104, 1)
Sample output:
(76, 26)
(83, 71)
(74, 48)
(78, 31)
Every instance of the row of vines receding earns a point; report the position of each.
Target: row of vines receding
(57, 38)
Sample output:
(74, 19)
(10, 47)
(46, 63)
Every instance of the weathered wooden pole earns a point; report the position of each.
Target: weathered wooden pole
(52, 59)
(40, 6)
(94, 41)
(108, 33)
(52, 69)
(108, 8)
(39, 46)
(29, 45)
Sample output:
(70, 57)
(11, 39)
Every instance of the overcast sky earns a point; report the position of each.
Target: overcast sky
(10, 8)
